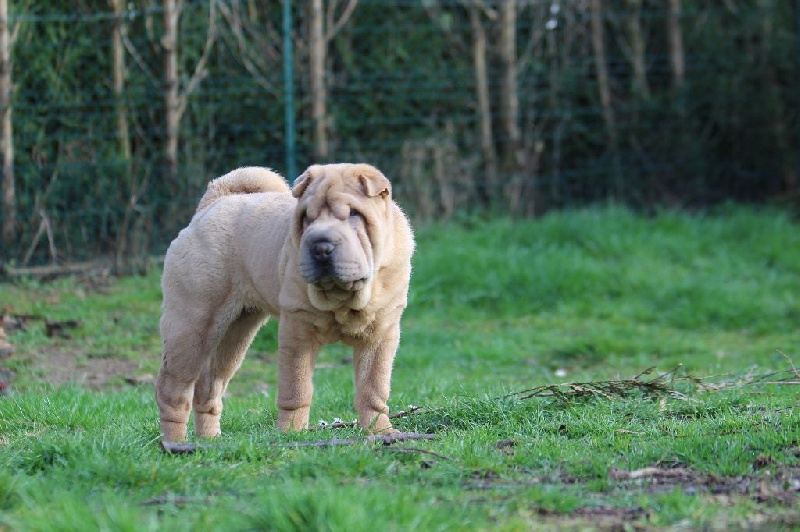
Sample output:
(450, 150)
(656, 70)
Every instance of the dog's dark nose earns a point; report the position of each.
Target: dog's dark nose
(322, 250)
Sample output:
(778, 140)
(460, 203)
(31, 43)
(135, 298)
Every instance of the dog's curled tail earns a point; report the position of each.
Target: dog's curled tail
(247, 180)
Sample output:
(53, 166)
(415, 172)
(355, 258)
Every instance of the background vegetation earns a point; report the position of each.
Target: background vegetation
(587, 296)
(120, 117)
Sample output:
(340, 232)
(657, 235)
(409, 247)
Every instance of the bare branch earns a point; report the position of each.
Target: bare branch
(789, 360)
(15, 30)
(49, 230)
(34, 242)
(256, 71)
(490, 12)
(335, 27)
(730, 6)
(139, 61)
(435, 14)
(200, 69)
(538, 33)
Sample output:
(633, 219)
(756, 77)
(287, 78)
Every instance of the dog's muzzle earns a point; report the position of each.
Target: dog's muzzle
(322, 268)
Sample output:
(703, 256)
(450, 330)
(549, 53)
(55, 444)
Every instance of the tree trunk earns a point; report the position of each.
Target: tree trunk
(510, 98)
(118, 51)
(484, 105)
(638, 59)
(555, 71)
(171, 90)
(513, 156)
(676, 56)
(123, 133)
(604, 88)
(6, 133)
(319, 93)
(774, 103)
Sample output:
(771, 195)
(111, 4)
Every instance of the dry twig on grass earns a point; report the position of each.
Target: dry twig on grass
(794, 369)
(660, 386)
(421, 451)
(385, 439)
(343, 424)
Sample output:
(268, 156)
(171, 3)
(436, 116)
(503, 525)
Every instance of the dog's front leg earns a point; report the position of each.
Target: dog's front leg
(372, 363)
(297, 353)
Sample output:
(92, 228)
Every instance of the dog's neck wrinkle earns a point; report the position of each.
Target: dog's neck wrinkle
(346, 309)
(329, 300)
(342, 322)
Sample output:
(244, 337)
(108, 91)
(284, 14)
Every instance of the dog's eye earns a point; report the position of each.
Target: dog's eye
(354, 214)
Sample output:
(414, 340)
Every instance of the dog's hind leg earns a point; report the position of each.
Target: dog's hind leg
(181, 363)
(214, 378)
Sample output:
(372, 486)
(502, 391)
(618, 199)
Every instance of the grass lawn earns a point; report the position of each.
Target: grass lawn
(709, 439)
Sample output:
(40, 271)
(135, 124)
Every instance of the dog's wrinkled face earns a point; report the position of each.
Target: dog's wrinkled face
(336, 224)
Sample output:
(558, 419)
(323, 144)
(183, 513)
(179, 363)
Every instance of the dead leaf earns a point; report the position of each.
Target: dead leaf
(57, 328)
(139, 380)
(762, 461)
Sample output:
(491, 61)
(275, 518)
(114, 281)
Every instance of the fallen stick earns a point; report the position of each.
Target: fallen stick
(385, 439)
(646, 472)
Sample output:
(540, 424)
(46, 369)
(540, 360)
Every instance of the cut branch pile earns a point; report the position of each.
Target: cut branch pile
(661, 386)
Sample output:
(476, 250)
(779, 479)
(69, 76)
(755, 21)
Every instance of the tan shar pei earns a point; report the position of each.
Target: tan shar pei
(330, 258)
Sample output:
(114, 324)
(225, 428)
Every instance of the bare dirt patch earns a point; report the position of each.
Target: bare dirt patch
(778, 486)
(63, 364)
(776, 491)
(62, 361)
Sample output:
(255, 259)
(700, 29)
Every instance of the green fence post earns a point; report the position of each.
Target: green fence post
(288, 91)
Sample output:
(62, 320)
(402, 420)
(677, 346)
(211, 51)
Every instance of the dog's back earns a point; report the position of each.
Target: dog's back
(246, 180)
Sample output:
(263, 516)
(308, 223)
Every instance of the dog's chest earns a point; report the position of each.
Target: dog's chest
(343, 324)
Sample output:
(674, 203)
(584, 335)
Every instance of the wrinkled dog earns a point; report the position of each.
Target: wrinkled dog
(331, 258)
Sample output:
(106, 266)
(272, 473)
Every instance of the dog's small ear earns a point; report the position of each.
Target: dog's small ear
(375, 184)
(301, 183)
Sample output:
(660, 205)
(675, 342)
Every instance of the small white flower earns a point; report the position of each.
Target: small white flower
(561, 372)
(323, 423)
(554, 8)
(337, 420)
(412, 407)
(551, 24)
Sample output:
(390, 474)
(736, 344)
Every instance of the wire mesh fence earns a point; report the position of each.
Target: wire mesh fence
(116, 115)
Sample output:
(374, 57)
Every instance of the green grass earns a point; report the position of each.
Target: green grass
(495, 307)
